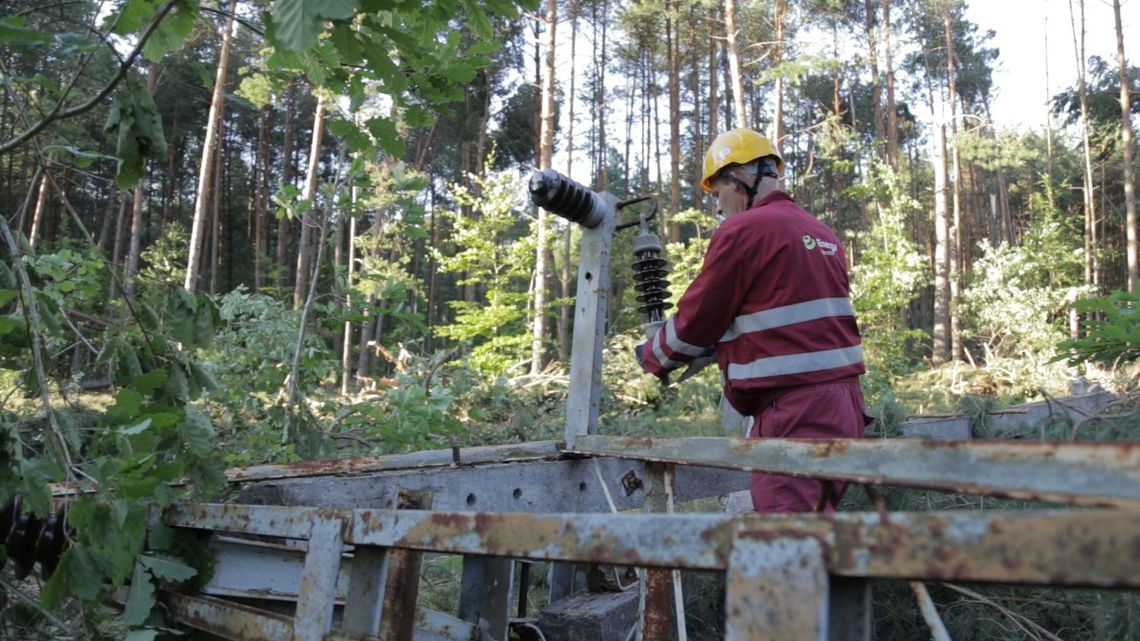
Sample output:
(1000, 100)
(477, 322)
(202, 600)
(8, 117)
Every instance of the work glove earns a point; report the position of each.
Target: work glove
(706, 358)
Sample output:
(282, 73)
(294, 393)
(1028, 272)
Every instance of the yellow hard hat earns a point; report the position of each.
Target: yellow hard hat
(737, 146)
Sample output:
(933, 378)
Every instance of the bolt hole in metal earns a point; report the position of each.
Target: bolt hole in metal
(470, 499)
(582, 486)
(517, 493)
(589, 276)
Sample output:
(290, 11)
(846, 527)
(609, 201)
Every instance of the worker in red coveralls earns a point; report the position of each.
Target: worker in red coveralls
(773, 300)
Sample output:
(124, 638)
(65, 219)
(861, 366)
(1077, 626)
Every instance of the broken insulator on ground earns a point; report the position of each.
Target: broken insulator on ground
(649, 271)
(28, 538)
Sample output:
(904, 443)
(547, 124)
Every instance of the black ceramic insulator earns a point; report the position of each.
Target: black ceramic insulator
(562, 196)
(28, 539)
(649, 272)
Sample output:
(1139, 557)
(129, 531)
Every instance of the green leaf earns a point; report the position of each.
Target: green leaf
(384, 130)
(172, 31)
(165, 567)
(14, 33)
(134, 15)
(135, 118)
(295, 23)
(141, 598)
(126, 407)
(137, 429)
(344, 39)
(149, 382)
(197, 432)
(337, 9)
(8, 323)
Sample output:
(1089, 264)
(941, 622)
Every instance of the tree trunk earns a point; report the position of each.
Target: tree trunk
(261, 201)
(42, 196)
(602, 177)
(135, 250)
(117, 249)
(1126, 147)
(309, 218)
(1089, 197)
(776, 131)
(671, 38)
(564, 275)
(876, 84)
(734, 61)
(209, 148)
(285, 225)
(955, 239)
(346, 334)
(216, 210)
(941, 351)
(892, 110)
(546, 152)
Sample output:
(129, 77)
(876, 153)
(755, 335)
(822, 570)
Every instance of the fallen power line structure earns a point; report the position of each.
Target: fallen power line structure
(333, 550)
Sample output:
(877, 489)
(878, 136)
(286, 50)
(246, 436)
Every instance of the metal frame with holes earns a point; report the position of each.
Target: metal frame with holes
(332, 550)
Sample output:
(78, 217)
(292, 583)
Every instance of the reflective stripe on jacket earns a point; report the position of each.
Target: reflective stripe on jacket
(773, 297)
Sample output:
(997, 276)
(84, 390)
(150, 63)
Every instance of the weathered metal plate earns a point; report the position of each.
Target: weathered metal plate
(478, 455)
(536, 486)
(776, 589)
(1094, 547)
(1079, 473)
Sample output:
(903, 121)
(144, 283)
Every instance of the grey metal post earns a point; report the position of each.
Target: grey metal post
(597, 214)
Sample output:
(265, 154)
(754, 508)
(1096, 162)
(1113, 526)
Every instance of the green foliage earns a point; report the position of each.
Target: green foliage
(135, 121)
(493, 248)
(1112, 331)
(889, 274)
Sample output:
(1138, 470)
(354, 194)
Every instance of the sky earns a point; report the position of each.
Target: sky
(1020, 34)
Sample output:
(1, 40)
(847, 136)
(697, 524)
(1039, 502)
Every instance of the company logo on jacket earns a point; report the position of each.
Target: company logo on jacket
(827, 248)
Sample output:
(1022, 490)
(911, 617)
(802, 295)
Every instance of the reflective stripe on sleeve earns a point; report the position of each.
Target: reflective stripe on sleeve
(796, 363)
(675, 343)
(788, 315)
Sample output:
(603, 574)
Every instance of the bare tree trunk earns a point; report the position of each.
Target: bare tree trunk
(108, 217)
(346, 346)
(135, 250)
(309, 219)
(117, 247)
(941, 352)
(209, 148)
(284, 225)
(1089, 198)
(674, 121)
(956, 229)
(892, 110)
(734, 61)
(1126, 147)
(546, 152)
(776, 132)
(216, 210)
(42, 197)
(602, 178)
(876, 84)
(564, 274)
(261, 201)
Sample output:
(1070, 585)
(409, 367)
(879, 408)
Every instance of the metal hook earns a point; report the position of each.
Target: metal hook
(640, 219)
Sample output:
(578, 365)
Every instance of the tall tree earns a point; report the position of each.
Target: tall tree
(892, 109)
(545, 155)
(310, 217)
(1092, 275)
(673, 59)
(779, 14)
(1126, 149)
(209, 148)
(955, 237)
(730, 34)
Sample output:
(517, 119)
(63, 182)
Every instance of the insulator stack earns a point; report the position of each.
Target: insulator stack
(649, 272)
(560, 195)
(28, 539)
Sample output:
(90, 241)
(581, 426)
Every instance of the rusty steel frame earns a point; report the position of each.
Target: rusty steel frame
(1093, 547)
(1105, 474)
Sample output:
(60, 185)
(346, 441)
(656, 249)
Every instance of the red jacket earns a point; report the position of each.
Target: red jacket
(773, 298)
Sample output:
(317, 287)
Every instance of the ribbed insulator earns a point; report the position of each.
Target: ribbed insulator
(562, 196)
(649, 272)
(28, 539)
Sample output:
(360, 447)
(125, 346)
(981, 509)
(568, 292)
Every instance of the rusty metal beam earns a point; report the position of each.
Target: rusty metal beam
(776, 589)
(478, 455)
(1076, 473)
(227, 620)
(1094, 547)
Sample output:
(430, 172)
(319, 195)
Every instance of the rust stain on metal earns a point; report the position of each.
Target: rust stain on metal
(656, 617)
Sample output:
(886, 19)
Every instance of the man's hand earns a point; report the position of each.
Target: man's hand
(706, 358)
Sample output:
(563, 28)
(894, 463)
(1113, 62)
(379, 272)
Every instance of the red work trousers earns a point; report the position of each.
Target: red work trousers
(824, 410)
